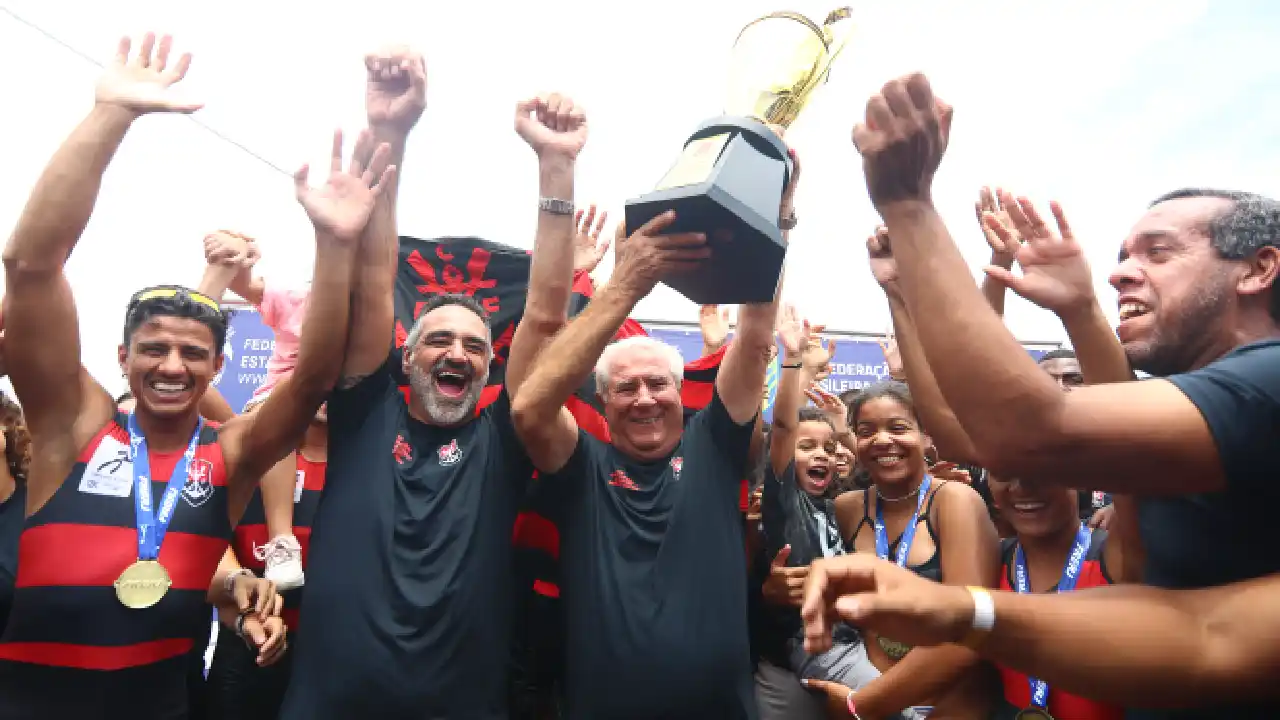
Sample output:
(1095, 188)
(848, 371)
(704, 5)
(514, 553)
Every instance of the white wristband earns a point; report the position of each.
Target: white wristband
(984, 615)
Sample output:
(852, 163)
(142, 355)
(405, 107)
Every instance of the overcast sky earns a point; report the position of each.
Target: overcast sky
(1101, 105)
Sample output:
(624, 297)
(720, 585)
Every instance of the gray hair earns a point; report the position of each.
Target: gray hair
(439, 301)
(604, 365)
(1252, 223)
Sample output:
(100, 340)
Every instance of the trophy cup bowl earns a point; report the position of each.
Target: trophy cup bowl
(728, 181)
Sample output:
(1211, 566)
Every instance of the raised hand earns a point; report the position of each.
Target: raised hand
(713, 321)
(1055, 274)
(552, 125)
(902, 140)
(884, 268)
(816, 358)
(588, 248)
(831, 406)
(145, 83)
(648, 256)
(395, 88)
(227, 247)
(946, 470)
(868, 592)
(990, 203)
(793, 331)
(341, 208)
(892, 358)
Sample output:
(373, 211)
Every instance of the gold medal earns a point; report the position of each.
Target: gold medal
(894, 649)
(142, 584)
(1033, 713)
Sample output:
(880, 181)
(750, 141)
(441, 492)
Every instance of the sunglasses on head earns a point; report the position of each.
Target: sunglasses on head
(160, 292)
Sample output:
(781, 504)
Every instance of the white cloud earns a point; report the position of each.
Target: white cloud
(1101, 105)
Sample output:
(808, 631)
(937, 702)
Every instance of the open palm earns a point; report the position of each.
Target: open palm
(1055, 274)
(145, 83)
(342, 206)
(793, 331)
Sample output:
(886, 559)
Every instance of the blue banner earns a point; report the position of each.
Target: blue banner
(244, 357)
(857, 364)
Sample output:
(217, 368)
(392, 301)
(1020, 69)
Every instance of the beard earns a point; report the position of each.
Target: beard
(435, 405)
(1175, 346)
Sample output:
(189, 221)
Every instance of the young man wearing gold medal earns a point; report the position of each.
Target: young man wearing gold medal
(128, 516)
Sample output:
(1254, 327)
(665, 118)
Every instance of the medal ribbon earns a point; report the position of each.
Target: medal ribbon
(908, 533)
(152, 526)
(1067, 583)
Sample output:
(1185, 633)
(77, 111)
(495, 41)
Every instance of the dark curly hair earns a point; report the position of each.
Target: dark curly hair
(17, 441)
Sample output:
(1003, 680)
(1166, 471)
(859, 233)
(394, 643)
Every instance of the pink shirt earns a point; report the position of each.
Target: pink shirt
(282, 310)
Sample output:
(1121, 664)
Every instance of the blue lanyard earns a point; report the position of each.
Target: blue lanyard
(152, 526)
(1066, 583)
(908, 533)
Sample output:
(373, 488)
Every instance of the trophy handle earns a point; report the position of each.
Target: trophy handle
(837, 30)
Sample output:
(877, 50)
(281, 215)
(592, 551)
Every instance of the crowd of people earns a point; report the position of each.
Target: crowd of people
(984, 536)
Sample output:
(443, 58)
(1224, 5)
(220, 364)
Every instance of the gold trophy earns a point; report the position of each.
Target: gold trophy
(728, 182)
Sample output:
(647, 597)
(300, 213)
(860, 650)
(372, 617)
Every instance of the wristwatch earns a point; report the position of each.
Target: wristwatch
(788, 222)
(555, 206)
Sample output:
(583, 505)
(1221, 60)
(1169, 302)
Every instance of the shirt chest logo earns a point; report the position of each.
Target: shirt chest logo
(400, 451)
(619, 478)
(109, 472)
(450, 454)
(677, 464)
(198, 488)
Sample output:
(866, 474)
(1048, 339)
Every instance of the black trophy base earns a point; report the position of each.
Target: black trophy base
(728, 184)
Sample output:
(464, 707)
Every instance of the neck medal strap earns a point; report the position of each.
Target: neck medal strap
(145, 582)
(1066, 583)
(908, 533)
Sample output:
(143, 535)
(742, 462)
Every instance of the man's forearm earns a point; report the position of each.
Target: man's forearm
(1163, 647)
(63, 198)
(325, 327)
(551, 274)
(570, 358)
(216, 279)
(989, 381)
(373, 275)
(952, 441)
(546, 308)
(1099, 352)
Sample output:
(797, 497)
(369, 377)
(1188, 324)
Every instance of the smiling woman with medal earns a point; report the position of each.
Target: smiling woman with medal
(1051, 552)
(936, 529)
(113, 586)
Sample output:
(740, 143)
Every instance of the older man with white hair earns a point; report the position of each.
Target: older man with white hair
(652, 551)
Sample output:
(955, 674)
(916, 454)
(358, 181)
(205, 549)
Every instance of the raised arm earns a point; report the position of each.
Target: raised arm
(793, 331)
(63, 405)
(339, 212)
(745, 361)
(1004, 246)
(940, 422)
(230, 258)
(546, 428)
(556, 129)
(396, 95)
(1149, 435)
(1165, 648)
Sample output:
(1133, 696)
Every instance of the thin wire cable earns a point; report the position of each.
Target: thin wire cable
(88, 58)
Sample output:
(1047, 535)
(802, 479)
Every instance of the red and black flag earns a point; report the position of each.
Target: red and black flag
(498, 276)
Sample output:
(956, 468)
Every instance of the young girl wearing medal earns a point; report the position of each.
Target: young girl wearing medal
(938, 529)
(1052, 552)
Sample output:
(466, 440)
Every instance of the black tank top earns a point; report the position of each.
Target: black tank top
(931, 568)
(70, 648)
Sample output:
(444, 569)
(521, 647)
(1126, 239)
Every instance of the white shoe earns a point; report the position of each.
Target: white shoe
(283, 558)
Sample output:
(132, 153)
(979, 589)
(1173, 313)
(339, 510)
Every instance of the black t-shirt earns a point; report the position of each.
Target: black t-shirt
(12, 516)
(654, 577)
(1210, 539)
(408, 595)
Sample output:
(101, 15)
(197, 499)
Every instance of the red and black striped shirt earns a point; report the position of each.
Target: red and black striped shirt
(69, 643)
(251, 533)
